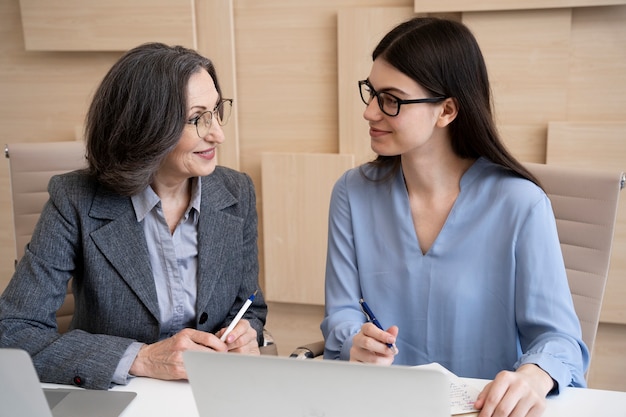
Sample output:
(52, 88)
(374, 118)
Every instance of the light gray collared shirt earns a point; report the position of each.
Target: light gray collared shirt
(174, 262)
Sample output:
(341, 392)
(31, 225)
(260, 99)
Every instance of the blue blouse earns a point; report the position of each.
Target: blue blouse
(490, 294)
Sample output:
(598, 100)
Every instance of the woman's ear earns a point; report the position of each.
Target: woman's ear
(449, 111)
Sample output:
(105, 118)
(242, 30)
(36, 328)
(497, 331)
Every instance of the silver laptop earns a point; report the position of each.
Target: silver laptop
(240, 385)
(21, 393)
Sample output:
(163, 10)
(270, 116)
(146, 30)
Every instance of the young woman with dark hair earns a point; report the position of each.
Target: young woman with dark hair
(447, 237)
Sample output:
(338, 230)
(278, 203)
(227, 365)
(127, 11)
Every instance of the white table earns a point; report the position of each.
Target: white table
(157, 398)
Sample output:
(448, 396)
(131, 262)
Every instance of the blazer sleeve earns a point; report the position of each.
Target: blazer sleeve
(36, 291)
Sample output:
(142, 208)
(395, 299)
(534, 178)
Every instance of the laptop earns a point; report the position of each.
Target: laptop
(21, 393)
(236, 385)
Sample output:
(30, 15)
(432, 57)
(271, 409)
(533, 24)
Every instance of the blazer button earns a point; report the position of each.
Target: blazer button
(78, 381)
(203, 318)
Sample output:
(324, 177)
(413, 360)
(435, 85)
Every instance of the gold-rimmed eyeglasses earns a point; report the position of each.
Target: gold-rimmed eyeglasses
(221, 112)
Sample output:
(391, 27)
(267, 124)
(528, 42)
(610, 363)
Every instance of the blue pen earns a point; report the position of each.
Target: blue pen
(369, 315)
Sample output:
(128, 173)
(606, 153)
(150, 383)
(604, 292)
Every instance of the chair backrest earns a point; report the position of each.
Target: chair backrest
(585, 208)
(30, 167)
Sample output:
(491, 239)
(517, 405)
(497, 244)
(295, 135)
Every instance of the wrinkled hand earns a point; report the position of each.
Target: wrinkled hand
(242, 339)
(370, 345)
(516, 394)
(164, 359)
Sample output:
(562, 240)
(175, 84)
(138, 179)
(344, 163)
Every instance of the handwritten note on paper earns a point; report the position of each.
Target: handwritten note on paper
(462, 395)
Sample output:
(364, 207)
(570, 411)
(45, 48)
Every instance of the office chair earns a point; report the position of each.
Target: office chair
(30, 167)
(585, 208)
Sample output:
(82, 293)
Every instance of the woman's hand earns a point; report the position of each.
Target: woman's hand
(242, 339)
(164, 359)
(516, 394)
(370, 345)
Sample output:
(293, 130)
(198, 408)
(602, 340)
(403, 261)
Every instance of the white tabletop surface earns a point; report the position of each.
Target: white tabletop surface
(174, 398)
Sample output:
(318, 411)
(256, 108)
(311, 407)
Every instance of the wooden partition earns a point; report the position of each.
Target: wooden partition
(490, 5)
(111, 25)
(527, 54)
(296, 189)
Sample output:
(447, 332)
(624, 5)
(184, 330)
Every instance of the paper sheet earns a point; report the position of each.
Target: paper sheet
(462, 395)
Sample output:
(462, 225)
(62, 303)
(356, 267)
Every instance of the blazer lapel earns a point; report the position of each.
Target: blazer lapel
(122, 243)
(215, 237)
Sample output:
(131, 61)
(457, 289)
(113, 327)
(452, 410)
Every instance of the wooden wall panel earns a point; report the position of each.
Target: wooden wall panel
(527, 55)
(296, 189)
(216, 40)
(597, 73)
(112, 25)
(358, 32)
(609, 367)
(598, 146)
(483, 5)
(525, 141)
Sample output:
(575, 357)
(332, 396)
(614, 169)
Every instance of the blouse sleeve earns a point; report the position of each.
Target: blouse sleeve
(343, 318)
(550, 332)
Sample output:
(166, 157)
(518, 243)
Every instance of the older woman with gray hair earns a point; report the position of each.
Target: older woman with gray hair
(161, 242)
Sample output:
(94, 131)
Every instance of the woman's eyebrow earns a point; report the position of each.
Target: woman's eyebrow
(387, 89)
(198, 107)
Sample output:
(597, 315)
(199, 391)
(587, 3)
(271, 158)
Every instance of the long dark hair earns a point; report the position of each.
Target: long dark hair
(138, 114)
(443, 57)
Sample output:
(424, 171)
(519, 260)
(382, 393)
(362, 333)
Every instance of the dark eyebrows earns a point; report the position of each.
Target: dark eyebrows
(389, 90)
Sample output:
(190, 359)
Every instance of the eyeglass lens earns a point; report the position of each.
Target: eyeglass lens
(221, 112)
(387, 103)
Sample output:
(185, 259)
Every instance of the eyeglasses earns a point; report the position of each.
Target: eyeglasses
(388, 103)
(221, 112)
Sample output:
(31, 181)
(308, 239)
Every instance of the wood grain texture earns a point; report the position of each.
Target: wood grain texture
(296, 189)
(527, 55)
(112, 25)
(597, 65)
(483, 5)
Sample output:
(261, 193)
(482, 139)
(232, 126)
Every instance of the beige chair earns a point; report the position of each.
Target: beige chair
(30, 167)
(585, 208)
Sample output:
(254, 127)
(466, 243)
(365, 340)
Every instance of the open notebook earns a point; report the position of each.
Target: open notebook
(21, 393)
(239, 385)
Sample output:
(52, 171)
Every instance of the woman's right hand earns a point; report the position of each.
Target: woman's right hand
(164, 359)
(370, 345)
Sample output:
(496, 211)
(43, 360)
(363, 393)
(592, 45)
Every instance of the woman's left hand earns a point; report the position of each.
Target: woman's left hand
(242, 339)
(515, 394)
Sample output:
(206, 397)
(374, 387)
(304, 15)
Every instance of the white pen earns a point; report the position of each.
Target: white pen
(238, 317)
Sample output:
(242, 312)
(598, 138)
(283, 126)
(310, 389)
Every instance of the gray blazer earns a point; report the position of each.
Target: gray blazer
(92, 234)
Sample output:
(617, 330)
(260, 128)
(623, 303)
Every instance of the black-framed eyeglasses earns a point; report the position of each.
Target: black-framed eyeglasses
(221, 112)
(388, 103)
